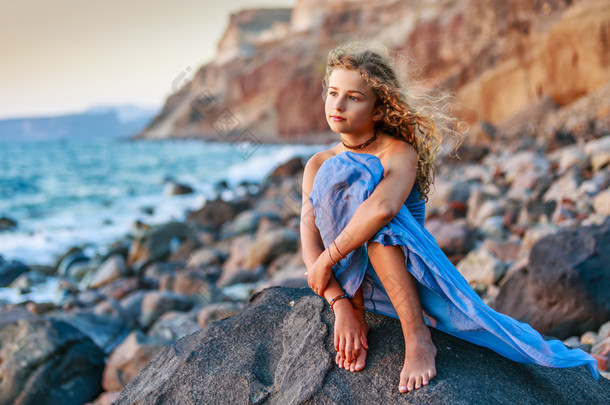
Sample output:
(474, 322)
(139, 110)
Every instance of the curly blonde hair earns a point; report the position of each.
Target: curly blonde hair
(419, 126)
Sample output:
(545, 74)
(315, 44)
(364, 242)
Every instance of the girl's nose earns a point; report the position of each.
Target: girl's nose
(339, 104)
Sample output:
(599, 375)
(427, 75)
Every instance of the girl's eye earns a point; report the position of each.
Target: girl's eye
(332, 93)
(354, 98)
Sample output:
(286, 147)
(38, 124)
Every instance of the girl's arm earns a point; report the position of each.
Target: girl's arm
(375, 212)
(384, 202)
(316, 258)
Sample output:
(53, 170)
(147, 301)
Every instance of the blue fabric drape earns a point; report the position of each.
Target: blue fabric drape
(449, 304)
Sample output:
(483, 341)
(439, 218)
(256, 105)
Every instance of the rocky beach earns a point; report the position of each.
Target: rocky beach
(214, 308)
(524, 218)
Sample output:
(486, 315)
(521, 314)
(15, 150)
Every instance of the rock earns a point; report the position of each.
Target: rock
(159, 243)
(46, 361)
(479, 266)
(130, 307)
(535, 211)
(289, 168)
(602, 347)
(597, 145)
(205, 256)
(505, 250)
(525, 185)
(271, 245)
(120, 288)
(445, 192)
(127, 359)
(598, 183)
(283, 199)
(601, 202)
(533, 235)
(603, 361)
(106, 398)
(286, 360)
(575, 343)
(173, 188)
(216, 312)
(173, 326)
(7, 224)
(524, 162)
(571, 156)
(250, 255)
(27, 280)
(156, 303)
(195, 284)
(213, 214)
(111, 269)
(451, 237)
(73, 258)
(10, 270)
(479, 209)
(604, 330)
(157, 269)
(106, 332)
(245, 222)
(493, 227)
(39, 308)
(233, 270)
(600, 159)
(564, 187)
(589, 338)
(562, 291)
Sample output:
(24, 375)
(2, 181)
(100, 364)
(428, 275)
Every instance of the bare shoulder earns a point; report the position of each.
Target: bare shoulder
(313, 164)
(399, 155)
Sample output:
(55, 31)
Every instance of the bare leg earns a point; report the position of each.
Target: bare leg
(419, 366)
(350, 329)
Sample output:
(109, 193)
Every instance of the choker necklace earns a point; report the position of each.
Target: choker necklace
(362, 145)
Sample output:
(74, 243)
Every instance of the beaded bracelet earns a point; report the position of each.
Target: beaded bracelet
(337, 298)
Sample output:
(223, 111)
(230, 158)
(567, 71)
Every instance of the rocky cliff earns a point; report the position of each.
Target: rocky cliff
(500, 57)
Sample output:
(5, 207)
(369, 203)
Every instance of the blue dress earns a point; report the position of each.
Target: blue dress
(449, 304)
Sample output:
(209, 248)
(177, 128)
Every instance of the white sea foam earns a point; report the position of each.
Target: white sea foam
(94, 201)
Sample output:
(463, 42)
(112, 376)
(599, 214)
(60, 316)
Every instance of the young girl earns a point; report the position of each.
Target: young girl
(362, 233)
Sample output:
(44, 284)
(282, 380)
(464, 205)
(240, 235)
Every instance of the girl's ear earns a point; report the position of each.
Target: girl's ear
(377, 114)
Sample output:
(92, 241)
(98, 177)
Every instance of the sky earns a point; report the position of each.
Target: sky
(64, 56)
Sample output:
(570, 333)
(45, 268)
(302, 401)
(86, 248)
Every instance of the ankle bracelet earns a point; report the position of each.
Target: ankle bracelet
(337, 298)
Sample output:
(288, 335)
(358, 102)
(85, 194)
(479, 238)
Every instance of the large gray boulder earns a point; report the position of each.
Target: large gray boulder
(279, 351)
(46, 361)
(563, 291)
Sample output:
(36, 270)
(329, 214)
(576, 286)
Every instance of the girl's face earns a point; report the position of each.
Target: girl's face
(350, 104)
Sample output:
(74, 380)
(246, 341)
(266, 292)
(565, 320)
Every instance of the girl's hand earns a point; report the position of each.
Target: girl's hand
(319, 273)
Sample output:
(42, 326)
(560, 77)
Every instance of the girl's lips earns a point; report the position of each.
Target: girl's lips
(336, 118)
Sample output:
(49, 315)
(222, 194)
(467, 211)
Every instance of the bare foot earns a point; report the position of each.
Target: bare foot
(419, 367)
(360, 361)
(350, 336)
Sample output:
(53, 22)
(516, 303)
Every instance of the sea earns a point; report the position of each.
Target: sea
(89, 192)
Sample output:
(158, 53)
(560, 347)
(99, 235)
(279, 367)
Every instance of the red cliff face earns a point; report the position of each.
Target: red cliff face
(500, 56)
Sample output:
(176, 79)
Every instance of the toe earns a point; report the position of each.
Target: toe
(360, 361)
(425, 380)
(410, 384)
(418, 382)
(402, 387)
